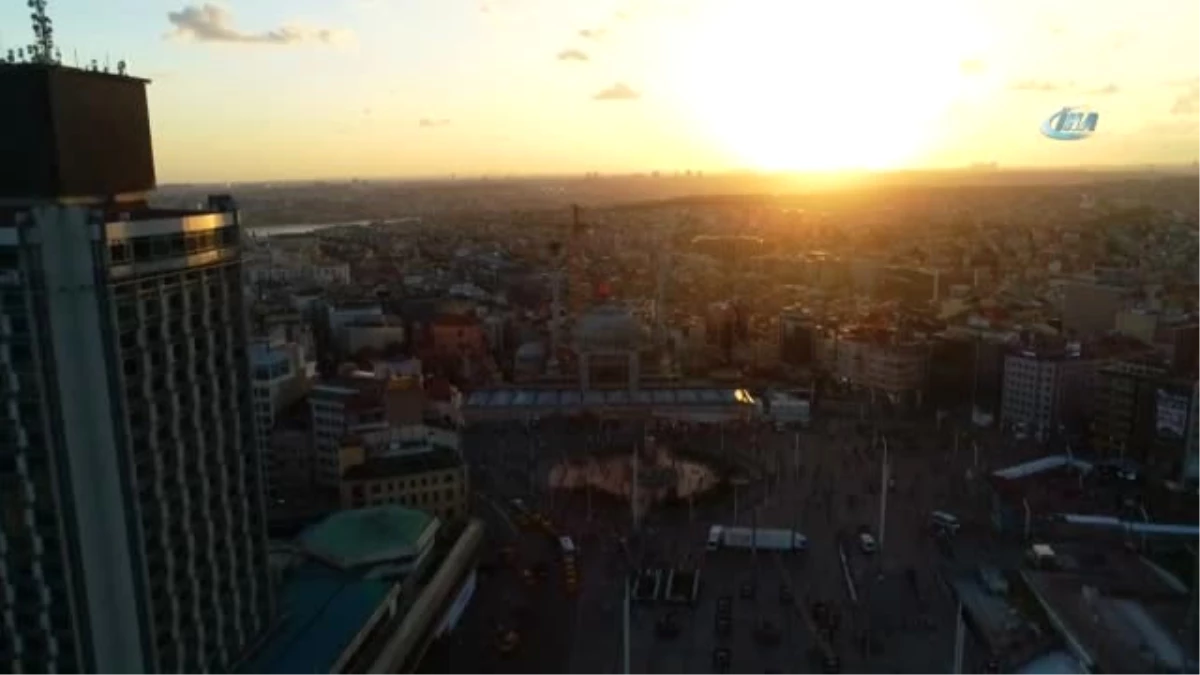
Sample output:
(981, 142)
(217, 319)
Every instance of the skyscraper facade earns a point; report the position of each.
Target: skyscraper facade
(132, 528)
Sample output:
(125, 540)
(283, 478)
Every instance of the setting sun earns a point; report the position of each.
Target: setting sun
(783, 86)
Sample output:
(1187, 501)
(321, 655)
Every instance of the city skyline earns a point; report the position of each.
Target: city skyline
(398, 88)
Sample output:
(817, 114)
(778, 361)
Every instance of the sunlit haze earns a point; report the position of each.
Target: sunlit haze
(375, 88)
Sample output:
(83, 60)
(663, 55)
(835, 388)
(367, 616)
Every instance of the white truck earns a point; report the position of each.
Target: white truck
(762, 538)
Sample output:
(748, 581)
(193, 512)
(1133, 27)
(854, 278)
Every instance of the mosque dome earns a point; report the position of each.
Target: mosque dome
(608, 327)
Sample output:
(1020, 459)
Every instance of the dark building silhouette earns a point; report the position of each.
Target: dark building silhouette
(134, 530)
(797, 339)
(952, 371)
(70, 132)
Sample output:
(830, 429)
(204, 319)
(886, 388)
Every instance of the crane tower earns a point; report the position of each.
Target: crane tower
(579, 290)
(664, 262)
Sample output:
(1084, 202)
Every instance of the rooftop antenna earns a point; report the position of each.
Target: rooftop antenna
(42, 49)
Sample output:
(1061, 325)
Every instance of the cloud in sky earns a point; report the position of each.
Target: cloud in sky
(430, 123)
(1120, 39)
(572, 55)
(1050, 86)
(1188, 102)
(972, 66)
(618, 92)
(213, 23)
(1040, 86)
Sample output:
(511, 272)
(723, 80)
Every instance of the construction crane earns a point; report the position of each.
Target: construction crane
(664, 259)
(579, 289)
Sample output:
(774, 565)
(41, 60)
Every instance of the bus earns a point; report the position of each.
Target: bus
(766, 539)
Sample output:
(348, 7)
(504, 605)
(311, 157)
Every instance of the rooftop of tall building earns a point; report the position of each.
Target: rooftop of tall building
(98, 145)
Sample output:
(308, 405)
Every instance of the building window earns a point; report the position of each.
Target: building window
(119, 252)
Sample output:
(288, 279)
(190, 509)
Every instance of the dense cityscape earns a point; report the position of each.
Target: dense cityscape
(673, 422)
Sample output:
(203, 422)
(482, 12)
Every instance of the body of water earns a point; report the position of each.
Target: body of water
(277, 230)
(307, 228)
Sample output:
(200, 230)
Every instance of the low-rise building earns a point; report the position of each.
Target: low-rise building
(344, 313)
(418, 473)
(380, 333)
(882, 364)
(295, 271)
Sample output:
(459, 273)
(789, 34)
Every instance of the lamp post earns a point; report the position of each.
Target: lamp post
(883, 494)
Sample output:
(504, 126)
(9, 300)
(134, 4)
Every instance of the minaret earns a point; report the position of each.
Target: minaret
(579, 291)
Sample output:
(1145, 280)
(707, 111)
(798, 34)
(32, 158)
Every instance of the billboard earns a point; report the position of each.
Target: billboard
(1171, 415)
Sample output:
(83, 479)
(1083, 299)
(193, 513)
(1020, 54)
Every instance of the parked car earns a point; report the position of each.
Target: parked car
(866, 542)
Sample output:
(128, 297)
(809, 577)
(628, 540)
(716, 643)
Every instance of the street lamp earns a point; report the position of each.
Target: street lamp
(883, 493)
(738, 482)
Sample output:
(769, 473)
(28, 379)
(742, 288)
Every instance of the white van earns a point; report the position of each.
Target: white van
(944, 521)
(714, 538)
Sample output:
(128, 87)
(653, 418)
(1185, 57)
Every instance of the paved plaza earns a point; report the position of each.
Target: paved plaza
(825, 482)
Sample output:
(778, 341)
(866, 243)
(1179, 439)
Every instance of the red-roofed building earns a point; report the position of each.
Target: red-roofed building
(457, 335)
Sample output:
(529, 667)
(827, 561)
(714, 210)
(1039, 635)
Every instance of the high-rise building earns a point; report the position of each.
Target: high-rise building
(132, 533)
(280, 378)
(1143, 414)
(797, 338)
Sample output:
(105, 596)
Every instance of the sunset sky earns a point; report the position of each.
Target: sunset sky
(285, 89)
